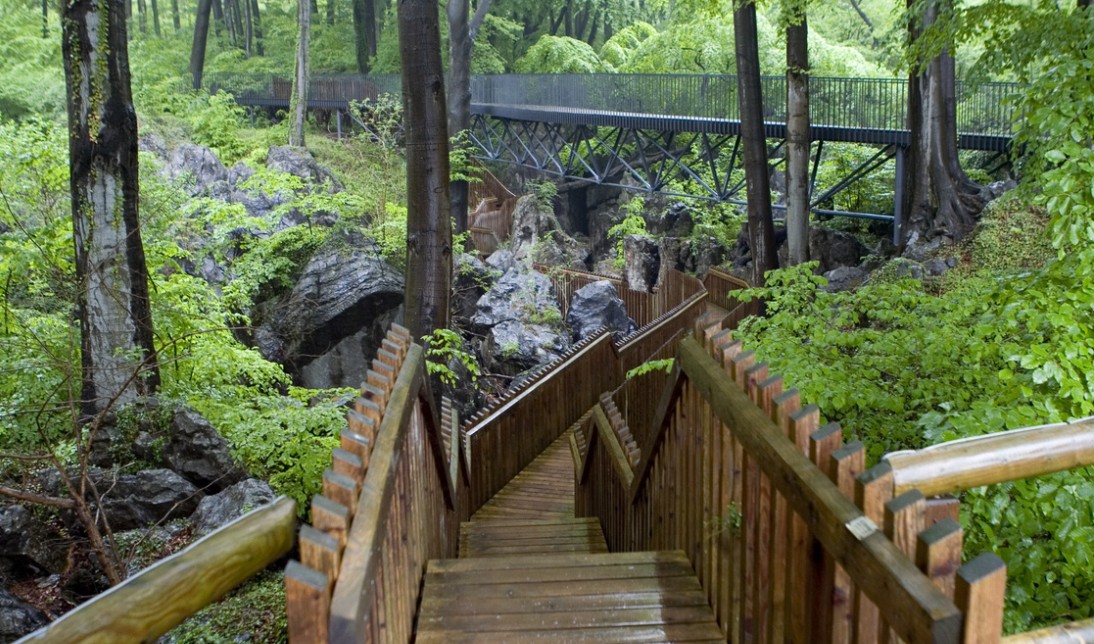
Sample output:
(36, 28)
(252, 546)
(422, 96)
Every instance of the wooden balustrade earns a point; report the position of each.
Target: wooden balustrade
(160, 597)
(719, 284)
(502, 440)
(740, 476)
(392, 500)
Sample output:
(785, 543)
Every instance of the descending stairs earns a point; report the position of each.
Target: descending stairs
(529, 570)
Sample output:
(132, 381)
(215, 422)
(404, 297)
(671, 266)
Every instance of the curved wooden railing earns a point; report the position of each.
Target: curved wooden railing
(392, 500)
(791, 541)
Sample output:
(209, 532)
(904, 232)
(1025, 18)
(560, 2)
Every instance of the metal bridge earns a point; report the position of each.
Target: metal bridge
(670, 134)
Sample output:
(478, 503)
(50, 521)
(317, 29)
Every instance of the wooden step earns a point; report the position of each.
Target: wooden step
(531, 536)
(544, 489)
(621, 597)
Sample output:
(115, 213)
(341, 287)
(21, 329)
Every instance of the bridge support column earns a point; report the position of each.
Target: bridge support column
(898, 196)
(338, 120)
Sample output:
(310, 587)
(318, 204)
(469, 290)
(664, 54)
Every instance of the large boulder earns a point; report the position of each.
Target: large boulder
(136, 500)
(835, 248)
(27, 543)
(18, 618)
(300, 162)
(346, 291)
(641, 262)
(198, 452)
(470, 282)
(219, 509)
(196, 166)
(845, 278)
(522, 322)
(596, 306)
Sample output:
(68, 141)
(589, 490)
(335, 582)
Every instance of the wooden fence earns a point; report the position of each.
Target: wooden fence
(392, 499)
(791, 540)
(160, 597)
(491, 219)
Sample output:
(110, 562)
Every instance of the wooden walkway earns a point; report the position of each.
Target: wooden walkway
(529, 570)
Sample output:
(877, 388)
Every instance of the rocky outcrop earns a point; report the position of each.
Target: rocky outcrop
(641, 262)
(150, 496)
(237, 500)
(521, 320)
(17, 618)
(299, 162)
(196, 167)
(835, 248)
(537, 236)
(346, 292)
(194, 449)
(596, 306)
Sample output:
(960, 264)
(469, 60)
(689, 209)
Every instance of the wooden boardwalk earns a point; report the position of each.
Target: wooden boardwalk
(530, 570)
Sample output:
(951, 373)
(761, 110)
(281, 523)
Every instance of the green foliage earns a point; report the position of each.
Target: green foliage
(444, 347)
(633, 223)
(617, 51)
(1011, 236)
(872, 193)
(561, 55)
(255, 610)
(544, 192)
(32, 81)
(651, 366)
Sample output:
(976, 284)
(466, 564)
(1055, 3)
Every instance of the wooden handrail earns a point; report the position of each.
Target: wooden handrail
(913, 606)
(160, 597)
(994, 458)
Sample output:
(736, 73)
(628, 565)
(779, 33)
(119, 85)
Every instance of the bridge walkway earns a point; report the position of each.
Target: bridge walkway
(530, 570)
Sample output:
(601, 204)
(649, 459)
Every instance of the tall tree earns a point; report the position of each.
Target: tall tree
(298, 105)
(797, 132)
(364, 29)
(429, 229)
(257, 21)
(201, 37)
(118, 358)
(761, 228)
(156, 17)
(330, 12)
(461, 42)
(941, 200)
(175, 20)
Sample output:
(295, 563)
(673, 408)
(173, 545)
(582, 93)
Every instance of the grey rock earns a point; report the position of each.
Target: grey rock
(300, 162)
(919, 249)
(936, 266)
(902, 267)
(845, 278)
(538, 236)
(513, 347)
(153, 143)
(501, 260)
(196, 165)
(342, 291)
(598, 305)
(346, 364)
(835, 248)
(137, 500)
(197, 451)
(692, 255)
(17, 618)
(471, 281)
(519, 294)
(642, 262)
(239, 173)
(28, 542)
(237, 500)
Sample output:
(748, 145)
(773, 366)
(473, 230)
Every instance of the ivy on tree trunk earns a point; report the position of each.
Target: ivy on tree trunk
(118, 358)
(429, 228)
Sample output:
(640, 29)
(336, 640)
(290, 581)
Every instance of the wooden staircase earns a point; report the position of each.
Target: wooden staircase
(529, 570)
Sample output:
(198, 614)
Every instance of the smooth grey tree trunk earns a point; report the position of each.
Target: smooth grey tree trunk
(761, 228)
(429, 229)
(298, 105)
(118, 357)
(461, 42)
(797, 142)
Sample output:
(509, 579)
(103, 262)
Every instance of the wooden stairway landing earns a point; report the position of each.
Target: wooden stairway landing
(618, 597)
(530, 571)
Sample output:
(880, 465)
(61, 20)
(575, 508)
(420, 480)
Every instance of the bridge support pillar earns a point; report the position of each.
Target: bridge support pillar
(338, 120)
(900, 154)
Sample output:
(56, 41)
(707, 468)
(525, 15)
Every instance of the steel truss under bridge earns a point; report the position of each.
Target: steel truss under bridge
(700, 165)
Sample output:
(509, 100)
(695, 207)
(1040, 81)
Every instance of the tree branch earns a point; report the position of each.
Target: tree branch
(481, 9)
(38, 499)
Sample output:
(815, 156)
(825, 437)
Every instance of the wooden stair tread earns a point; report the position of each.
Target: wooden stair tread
(618, 597)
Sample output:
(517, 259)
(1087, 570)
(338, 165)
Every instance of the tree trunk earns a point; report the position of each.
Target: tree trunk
(429, 231)
(156, 18)
(45, 18)
(201, 35)
(229, 20)
(761, 229)
(257, 18)
(118, 358)
(330, 12)
(218, 15)
(797, 142)
(298, 105)
(176, 20)
(315, 6)
(248, 28)
(237, 19)
(942, 201)
(142, 19)
(459, 96)
(364, 28)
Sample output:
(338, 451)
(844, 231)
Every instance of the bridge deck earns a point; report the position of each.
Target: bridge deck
(530, 570)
